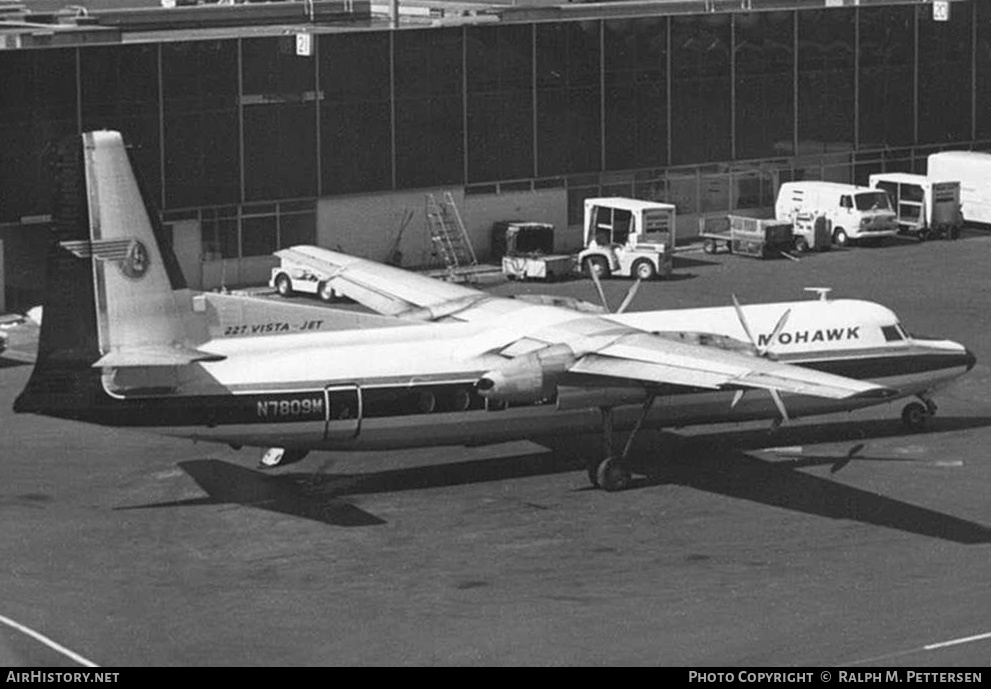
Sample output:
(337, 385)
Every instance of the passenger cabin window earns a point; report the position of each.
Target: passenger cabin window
(892, 333)
(846, 202)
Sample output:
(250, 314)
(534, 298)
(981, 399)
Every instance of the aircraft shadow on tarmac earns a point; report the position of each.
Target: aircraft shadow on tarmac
(716, 463)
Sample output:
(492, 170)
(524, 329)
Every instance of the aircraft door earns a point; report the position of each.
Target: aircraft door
(343, 404)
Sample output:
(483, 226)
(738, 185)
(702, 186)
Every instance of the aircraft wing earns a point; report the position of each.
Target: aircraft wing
(649, 359)
(396, 292)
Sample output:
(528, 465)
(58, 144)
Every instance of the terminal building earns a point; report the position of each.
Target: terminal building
(259, 126)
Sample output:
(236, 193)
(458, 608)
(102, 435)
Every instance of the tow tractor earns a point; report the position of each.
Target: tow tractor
(628, 237)
(291, 276)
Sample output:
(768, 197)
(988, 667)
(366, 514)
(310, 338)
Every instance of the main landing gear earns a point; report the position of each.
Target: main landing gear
(613, 473)
(280, 456)
(917, 416)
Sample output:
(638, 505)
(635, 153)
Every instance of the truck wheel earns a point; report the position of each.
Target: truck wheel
(597, 264)
(840, 237)
(283, 285)
(325, 292)
(709, 246)
(644, 270)
(923, 234)
(801, 246)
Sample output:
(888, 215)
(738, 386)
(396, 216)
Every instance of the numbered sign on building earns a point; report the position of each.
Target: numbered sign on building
(304, 44)
(941, 10)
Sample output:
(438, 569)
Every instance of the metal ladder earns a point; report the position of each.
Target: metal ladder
(449, 235)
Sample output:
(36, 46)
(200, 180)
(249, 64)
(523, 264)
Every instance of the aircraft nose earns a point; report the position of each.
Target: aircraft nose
(970, 359)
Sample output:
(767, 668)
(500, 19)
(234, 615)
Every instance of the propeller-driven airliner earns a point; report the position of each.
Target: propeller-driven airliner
(125, 343)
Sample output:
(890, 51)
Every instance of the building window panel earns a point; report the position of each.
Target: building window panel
(200, 102)
(701, 89)
(826, 69)
(279, 151)
(429, 108)
(500, 102)
(356, 113)
(259, 236)
(635, 100)
(945, 77)
(37, 109)
(568, 98)
(983, 76)
(765, 63)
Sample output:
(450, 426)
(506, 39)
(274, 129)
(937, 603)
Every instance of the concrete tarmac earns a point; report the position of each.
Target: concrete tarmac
(840, 541)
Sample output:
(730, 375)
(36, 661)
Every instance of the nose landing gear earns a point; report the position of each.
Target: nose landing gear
(917, 416)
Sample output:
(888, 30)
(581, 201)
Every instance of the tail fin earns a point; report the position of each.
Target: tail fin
(110, 297)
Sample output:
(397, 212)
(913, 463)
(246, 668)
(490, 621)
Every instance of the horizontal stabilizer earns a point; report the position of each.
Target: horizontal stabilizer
(155, 355)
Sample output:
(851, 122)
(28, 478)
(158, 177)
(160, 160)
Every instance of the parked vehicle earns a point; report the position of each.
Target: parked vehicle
(527, 251)
(756, 237)
(856, 213)
(290, 277)
(973, 170)
(923, 207)
(811, 233)
(628, 237)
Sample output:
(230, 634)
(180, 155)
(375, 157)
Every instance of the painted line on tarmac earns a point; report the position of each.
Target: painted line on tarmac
(48, 642)
(956, 642)
(928, 647)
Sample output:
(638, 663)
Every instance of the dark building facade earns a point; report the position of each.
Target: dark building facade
(249, 146)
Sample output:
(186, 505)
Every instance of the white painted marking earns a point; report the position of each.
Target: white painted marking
(948, 463)
(48, 642)
(792, 450)
(956, 642)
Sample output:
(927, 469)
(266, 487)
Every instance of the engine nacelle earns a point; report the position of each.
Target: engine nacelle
(528, 378)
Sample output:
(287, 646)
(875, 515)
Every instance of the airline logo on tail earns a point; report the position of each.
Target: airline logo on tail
(130, 255)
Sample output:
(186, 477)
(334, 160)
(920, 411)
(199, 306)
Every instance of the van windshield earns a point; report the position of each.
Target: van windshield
(872, 201)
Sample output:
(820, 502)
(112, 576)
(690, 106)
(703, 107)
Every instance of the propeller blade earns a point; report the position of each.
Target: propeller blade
(776, 396)
(598, 286)
(630, 293)
(774, 333)
(743, 321)
(737, 396)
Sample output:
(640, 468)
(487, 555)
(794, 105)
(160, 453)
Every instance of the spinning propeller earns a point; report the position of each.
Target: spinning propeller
(763, 352)
(627, 300)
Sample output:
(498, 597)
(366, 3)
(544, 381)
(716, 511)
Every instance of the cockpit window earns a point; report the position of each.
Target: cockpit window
(892, 333)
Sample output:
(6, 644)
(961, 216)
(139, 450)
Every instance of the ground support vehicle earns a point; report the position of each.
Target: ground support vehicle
(973, 170)
(923, 207)
(290, 277)
(527, 251)
(856, 213)
(628, 237)
(811, 232)
(755, 237)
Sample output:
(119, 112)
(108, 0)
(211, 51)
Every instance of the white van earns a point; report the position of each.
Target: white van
(923, 207)
(973, 171)
(855, 212)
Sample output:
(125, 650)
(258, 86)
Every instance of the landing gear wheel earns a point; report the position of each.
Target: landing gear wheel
(801, 245)
(840, 237)
(326, 292)
(283, 285)
(280, 456)
(709, 246)
(644, 270)
(613, 475)
(923, 235)
(916, 416)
